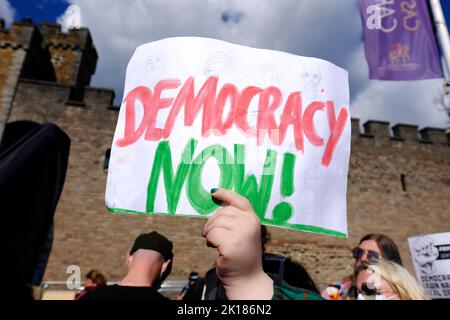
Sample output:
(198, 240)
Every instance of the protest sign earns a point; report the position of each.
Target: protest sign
(201, 113)
(431, 257)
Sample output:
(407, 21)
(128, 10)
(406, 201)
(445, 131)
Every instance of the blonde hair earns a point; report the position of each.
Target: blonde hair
(404, 285)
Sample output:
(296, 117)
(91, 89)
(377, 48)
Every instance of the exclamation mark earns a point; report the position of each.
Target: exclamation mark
(287, 175)
(283, 211)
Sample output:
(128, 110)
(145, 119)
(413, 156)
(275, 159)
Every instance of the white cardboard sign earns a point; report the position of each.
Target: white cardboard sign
(201, 113)
(431, 257)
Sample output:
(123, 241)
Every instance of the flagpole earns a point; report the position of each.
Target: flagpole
(442, 32)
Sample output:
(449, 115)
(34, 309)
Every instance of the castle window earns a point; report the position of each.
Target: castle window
(403, 181)
(107, 156)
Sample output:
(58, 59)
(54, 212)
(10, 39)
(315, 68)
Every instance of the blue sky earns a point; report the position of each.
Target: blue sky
(49, 10)
(40, 10)
(446, 7)
(283, 25)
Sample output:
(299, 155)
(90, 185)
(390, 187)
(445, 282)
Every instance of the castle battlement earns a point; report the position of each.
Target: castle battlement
(69, 58)
(18, 36)
(20, 33)
(380, 130)
(75, 39)
(75, 45)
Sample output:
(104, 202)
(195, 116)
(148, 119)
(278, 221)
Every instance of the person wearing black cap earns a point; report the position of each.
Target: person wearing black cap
(193, 290)
(149, 264)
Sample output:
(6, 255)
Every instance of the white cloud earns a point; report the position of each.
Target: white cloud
(6, 11)
(327, 29)
(71, 19)
(408, 102)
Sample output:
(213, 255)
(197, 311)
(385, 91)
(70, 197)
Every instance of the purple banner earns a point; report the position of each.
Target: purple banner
(399, 40)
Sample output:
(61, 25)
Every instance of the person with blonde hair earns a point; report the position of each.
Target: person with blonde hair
(387, 280)
(373, 246)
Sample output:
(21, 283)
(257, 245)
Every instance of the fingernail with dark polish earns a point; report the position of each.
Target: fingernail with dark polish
(220, 203)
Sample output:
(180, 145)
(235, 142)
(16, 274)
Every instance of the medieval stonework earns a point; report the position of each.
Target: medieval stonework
(399, 183)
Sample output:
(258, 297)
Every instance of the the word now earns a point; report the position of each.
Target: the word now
(213, 102)
(189, 171)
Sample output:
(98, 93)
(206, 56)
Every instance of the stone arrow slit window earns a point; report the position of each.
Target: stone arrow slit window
(106, 162)
(403, 181)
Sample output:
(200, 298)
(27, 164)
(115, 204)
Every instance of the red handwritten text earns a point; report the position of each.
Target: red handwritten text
(213, 101)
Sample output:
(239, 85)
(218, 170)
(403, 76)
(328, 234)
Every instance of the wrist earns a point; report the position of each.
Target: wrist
(257, 287)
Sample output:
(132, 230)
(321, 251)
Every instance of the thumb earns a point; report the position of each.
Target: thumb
(231, 198)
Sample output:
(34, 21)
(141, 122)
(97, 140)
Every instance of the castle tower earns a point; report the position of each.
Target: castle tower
(46, 54)
(73, 56)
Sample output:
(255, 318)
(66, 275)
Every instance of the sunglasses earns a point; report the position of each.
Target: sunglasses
(358, 253)
(368, 290)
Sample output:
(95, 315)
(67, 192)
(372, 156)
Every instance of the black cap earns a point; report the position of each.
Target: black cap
(194, 276)
(154, 241)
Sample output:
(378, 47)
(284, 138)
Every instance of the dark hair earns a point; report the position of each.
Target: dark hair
(297, 276)
(293, 273)
(97, 277)
(387, 246)
(154, 241)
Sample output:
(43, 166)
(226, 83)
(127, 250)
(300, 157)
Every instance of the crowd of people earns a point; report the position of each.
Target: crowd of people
(244, 271)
